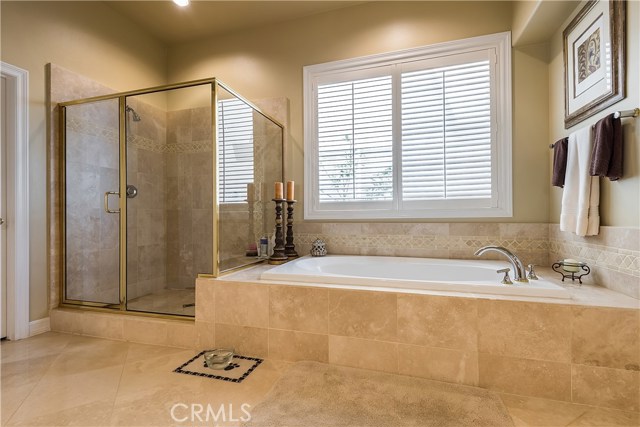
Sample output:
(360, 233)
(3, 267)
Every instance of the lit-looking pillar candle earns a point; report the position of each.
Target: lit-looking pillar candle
(279, 190)
(290, 190)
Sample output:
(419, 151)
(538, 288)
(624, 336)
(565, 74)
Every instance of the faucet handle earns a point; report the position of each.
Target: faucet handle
(506, 280)
(531, 274)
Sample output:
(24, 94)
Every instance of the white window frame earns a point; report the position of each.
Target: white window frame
(498, 48)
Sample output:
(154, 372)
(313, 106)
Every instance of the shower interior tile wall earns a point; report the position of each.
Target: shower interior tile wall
(171, 164)
(169, 160)
(184, 161)
(146, 213)
(189, 200)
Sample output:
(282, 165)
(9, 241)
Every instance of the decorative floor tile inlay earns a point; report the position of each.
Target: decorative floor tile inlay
(239, 368)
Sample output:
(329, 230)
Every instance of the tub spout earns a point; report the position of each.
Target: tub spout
(518, 268)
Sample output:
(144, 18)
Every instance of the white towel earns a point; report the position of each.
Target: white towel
(581, 195)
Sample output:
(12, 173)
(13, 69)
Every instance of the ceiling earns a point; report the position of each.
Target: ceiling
(172, 24)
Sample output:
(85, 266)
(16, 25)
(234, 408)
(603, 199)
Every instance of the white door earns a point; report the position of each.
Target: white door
(3, 209)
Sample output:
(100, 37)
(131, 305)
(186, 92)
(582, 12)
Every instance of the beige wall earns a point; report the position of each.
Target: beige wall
(90, 39)
(267, 62)
(620, 200)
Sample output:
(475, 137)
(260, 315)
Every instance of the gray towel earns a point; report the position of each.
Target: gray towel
(559, 162)
(606, 157)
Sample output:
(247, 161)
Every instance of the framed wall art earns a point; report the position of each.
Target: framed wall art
(594, 59)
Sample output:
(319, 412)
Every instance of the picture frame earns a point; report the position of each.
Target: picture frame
(594, 59)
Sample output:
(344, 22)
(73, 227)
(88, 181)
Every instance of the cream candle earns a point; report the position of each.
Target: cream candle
(278, 190)
(290, 190)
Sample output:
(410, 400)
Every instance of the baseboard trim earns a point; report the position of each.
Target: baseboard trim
(39, 326)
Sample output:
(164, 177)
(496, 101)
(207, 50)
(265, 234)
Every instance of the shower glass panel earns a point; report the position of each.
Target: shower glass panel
(170, 198)
(249, 162)
(162, 185)
(92, 224)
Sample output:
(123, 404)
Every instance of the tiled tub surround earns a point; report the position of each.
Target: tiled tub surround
(560, 351)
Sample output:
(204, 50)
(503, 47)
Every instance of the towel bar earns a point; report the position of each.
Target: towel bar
(627, 113)
(618, 115)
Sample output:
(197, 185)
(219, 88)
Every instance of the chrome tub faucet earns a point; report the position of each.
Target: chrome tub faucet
(519, 272)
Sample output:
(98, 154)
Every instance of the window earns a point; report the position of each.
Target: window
(355, 140)
(421, 133)
(235, 159)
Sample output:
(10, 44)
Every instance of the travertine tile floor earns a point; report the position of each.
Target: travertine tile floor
(57, 379)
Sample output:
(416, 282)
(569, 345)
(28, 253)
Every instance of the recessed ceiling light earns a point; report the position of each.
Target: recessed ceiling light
(181, 3)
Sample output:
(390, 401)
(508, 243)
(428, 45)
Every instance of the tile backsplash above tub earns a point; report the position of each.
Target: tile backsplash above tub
(435, 240)
(613, 255)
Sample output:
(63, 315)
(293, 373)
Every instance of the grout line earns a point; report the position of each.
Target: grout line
(36, 383)
(115, 397)
(15, 411)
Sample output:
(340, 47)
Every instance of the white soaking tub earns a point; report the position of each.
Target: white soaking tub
(429, 274)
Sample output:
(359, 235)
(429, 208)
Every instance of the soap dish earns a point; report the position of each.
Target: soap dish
(573, 270)
(218, 358)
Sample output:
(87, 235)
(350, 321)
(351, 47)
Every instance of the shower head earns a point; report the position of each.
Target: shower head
(135, 116)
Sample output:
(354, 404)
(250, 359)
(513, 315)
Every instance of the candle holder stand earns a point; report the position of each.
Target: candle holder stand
(290, 247)
(278, 256)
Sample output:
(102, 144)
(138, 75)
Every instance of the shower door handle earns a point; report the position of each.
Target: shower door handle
(106, 202)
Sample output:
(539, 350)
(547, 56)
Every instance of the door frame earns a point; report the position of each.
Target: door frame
(17, 94)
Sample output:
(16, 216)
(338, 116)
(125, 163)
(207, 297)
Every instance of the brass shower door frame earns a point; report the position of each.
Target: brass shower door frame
(121, 307)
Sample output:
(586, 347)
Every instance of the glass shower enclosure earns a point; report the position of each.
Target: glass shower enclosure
(160, 186)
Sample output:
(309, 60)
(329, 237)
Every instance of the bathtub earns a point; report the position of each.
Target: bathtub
(409, 274)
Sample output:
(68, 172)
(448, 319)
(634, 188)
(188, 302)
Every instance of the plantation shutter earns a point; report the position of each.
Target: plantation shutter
(446, 132)
(355, 140)
(235, 159)
(418, 133)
